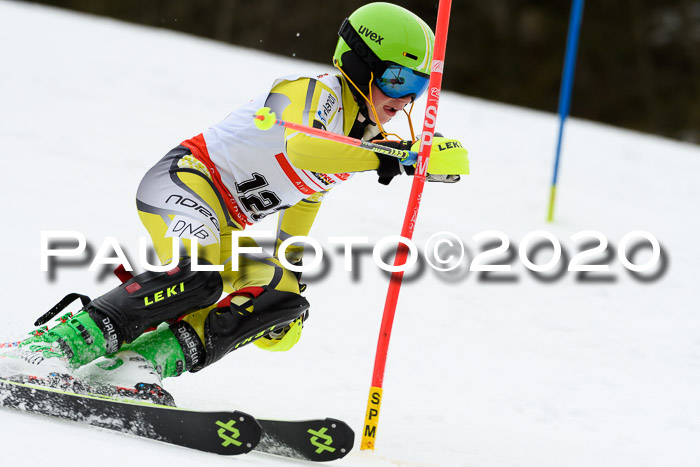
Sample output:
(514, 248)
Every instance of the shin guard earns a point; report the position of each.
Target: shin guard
(230, 327)
(152, 298)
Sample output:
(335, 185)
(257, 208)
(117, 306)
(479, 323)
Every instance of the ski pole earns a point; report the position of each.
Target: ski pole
(376, 390)
(266, 119)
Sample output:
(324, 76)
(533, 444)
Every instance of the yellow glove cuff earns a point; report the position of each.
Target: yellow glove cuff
(447, 157)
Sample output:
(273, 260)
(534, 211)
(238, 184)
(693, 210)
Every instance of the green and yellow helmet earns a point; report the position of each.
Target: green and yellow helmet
(388, 44)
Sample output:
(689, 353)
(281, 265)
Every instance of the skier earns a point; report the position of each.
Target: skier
(162, 324)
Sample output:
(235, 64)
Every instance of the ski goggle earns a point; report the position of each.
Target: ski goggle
(398, 81)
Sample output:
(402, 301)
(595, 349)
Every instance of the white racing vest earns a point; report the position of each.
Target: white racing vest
(253, 165)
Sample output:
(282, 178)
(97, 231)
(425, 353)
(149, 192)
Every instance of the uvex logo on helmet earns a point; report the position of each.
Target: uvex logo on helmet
(371, 35)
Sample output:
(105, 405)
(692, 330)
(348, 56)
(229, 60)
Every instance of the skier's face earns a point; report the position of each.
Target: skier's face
(386, 107)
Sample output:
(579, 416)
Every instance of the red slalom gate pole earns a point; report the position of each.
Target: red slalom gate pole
(374, 401)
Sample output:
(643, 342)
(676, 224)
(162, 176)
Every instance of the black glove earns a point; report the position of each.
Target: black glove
(390, 167)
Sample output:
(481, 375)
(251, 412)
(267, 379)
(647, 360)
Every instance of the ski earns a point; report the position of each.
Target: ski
(311, 440)
(227, 433)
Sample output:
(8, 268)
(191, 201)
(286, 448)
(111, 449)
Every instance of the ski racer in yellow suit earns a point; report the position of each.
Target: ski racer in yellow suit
(210, 187)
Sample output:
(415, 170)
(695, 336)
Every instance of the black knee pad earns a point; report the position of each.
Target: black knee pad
(227, 330)
(151, 298)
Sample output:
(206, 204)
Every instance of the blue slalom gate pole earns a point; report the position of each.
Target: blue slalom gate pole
(567, 84)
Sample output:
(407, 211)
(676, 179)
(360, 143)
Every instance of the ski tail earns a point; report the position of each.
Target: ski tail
(226, 432)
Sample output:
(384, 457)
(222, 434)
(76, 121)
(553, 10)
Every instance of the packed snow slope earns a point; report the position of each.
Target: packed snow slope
(521, 371)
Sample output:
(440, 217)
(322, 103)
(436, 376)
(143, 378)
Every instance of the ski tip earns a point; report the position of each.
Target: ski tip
(318, 440)
(332, 439)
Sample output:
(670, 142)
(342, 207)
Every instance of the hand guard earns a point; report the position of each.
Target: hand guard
(448, 159)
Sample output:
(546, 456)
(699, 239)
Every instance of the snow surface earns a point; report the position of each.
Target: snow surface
(519, 373)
